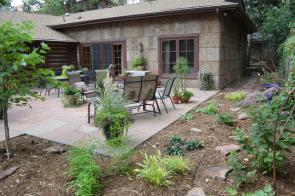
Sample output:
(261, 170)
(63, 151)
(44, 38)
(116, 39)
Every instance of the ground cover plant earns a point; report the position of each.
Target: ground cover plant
(235, 96)
(226, 119)
(178, 145)
(158, 170)
(211, 109)
(85, 171)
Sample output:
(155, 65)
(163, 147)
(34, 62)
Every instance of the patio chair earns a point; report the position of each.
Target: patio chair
(148, 93)
(132, 88)
(92, 99)
(165, 94)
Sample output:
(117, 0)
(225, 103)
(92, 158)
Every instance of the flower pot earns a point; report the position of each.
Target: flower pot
(140, 68)
(71, 99)
(175, 99)
(111, 135)
(184, 100)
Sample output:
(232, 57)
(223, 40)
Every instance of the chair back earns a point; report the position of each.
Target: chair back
(168, 87)
(74, 77)
(132, 88)
(149, 87)
(100, 74)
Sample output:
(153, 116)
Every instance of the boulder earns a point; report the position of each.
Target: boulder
(251, 99)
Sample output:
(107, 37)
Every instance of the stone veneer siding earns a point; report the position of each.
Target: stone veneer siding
(148, 31)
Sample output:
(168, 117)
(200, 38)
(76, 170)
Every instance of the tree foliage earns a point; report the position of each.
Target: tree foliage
(19, 73)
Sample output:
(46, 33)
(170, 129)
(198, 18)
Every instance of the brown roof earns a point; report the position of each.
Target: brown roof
(153, 8)
(41, 30)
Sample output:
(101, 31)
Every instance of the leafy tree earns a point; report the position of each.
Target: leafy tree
(19, 73)
(3, 2)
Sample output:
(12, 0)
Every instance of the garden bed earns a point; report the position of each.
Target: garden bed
(42, 173)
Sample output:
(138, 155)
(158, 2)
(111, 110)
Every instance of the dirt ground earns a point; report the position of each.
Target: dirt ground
(41, 173)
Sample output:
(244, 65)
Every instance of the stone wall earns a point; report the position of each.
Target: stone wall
(233, 51)
(148, 31)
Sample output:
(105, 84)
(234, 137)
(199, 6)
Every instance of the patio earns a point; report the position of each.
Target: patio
(50, 120)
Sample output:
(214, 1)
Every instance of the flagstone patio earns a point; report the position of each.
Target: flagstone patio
(50, 120)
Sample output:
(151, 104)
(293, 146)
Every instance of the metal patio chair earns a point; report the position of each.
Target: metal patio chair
(165, 94)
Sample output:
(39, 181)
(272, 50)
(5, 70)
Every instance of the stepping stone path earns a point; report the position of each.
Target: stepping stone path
(56, 149)
(227, 149)
(235, 109)
(195, 130)
(196, 191)
(7, 172)
(243, 116)
(218, 173)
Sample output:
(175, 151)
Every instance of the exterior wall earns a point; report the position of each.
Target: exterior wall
(148, 32)
(60, 54)
(233, 51)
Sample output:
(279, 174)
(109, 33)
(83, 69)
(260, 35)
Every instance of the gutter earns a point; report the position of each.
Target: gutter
(148, 15)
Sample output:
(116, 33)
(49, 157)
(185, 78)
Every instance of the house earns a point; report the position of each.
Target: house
(211, 35)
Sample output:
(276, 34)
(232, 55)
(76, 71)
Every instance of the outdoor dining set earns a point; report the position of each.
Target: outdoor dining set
(141, 89)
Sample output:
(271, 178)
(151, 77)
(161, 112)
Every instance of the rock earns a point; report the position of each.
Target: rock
(56, 149)
(243, 116)
(7, 172)
(227, 149)
(218, 173)
(271, 91)
(235, 109)
(220, 105)
(196, 191)
(195, 130)
(251, 99)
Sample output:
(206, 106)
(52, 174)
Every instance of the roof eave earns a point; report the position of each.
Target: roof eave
(55, 40)
(149, 15)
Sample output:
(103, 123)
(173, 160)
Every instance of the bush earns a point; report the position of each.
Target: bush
(193, 145)
(154, 171)
(85, 171)
(176, 164)
(226, 119)
(235, 96)
(210, 109)
(267, 191)
(158, 170)
(120, 164)
(187, 117)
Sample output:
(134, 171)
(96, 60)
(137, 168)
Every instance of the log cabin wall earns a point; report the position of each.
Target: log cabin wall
(61, 53)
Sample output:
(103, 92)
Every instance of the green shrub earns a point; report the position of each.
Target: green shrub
(187, 117)
(85, 171)
(175, 150)
(154, 171)
(235, 96)
(120, 164)
(210, 109)
(176, 164)
(87, 183)
(176, 139)
(193, 145)
(226, 119)
(241, 174)
(267, 191)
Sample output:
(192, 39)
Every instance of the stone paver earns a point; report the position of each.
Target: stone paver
(218, 173)
(56, 149)
(50, 120)
(227, 149)
(196, 191)
(235, 109)
(195, 130)
(243, 116)
(7, 172)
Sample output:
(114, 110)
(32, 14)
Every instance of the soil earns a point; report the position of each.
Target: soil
(42, 173)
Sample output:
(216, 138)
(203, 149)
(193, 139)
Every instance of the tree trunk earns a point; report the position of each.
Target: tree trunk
(6, 128)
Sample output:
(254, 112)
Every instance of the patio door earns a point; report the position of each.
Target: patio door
(104, 54)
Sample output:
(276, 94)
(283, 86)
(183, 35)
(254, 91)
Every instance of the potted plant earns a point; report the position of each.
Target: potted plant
(138, 63)
(186, 96)
(112, 115)
(71, 95)
(176, 95)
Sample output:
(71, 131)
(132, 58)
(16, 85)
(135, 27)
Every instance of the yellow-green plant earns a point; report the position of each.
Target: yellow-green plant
(176, 164)
(235, 96)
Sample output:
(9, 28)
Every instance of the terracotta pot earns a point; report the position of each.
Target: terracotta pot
(140, 68)
(176, 100)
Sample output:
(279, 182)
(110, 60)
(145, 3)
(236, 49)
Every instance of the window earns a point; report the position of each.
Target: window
(86, 60)
(173, 49)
